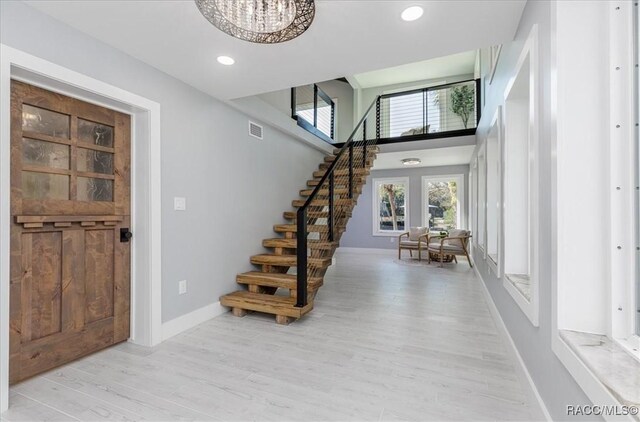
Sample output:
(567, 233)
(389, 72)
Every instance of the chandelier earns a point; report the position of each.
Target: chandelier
(259, 21)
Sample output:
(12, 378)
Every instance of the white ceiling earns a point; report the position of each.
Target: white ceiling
(428, 157)
(346, 38)
(441, 67)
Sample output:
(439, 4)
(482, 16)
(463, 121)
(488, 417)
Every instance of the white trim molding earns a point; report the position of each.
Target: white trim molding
(529, 54)
(495, 135)
(146, 270)
(192, 319)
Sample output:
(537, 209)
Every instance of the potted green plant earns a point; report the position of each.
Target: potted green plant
(463, 102)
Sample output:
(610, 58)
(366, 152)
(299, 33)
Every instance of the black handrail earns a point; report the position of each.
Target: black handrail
(301, 216)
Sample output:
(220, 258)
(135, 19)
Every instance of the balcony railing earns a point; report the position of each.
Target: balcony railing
(434, 112)
(314, 111)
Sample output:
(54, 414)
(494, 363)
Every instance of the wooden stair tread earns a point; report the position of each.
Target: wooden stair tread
(286, 281)
(341, 172)
(280, 242)
(358, 181)
(324, 202)
(293, 228)
(292, 215)
(288, 260)
(336, 151)
(314, 228)
(270, 304)
(357, 163)
(336, 191)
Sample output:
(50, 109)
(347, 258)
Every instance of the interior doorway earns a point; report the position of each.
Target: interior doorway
(146, 271)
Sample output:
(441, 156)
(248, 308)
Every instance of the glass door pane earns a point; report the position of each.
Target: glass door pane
(442, 207)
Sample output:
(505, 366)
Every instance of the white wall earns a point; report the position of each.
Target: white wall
(236, 186)
(554, 383)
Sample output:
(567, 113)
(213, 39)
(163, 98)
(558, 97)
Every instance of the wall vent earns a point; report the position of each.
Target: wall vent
(255, 130)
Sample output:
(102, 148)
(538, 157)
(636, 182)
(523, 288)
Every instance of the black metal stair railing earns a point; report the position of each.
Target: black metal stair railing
(314, 111)
(324, 204)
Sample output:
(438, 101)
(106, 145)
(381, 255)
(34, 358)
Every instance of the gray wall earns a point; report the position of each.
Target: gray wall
(554, 383)
(341, 91)
(359, 232)
(236, 186)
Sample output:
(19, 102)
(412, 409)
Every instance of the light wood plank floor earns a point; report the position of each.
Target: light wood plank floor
(387, 340)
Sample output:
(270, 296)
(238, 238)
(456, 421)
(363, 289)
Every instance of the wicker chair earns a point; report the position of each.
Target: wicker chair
(455, 243)
(417, 238)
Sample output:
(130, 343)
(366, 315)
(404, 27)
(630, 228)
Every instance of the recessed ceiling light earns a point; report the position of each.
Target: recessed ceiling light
(412, 13)
(411, 161)
(226, 60)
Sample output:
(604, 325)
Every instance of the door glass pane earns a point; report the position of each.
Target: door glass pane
(45, 186)
(48, 154)
(391, 197)
(92, 189)
(95, 161)
(95, 133)
(46, 122)
(442, 204)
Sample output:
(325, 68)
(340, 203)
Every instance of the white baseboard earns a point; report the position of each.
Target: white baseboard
(190, 320)
(502, 328)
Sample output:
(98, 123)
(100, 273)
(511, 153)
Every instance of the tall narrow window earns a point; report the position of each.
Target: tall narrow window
(390, 206)
(474, 198)
(517, 247)
(494, 157)
(482, 196)
(441, 207)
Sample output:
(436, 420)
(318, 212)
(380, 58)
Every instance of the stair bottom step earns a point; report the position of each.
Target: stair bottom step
(277, 305)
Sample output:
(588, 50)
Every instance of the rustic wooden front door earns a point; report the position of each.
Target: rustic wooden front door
(70, 209)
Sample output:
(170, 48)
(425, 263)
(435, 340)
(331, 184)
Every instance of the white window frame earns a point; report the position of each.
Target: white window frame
(624, 284)
(481, 189)
(530, 307)
(473, 173)
(376, 205)
(496, 124)
(459, 179)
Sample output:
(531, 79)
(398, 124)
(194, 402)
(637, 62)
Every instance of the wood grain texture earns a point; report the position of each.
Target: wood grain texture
(70, 275)
(99, 274)
(41, 285)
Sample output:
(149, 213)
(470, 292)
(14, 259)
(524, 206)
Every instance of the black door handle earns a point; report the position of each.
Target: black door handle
(125, 235)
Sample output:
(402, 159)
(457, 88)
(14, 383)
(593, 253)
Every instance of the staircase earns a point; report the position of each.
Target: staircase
(308, 242)
(271, 289)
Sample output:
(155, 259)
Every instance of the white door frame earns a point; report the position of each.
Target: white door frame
(146, 317)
